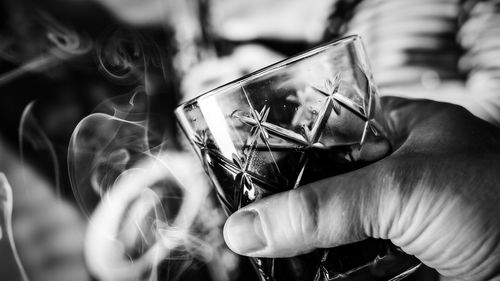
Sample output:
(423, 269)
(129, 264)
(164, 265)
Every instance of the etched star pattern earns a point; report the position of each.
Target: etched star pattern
(201, 141)
(304, 141)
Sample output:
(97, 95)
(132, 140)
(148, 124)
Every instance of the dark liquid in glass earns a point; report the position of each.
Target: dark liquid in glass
(239, 184)
(277, 146)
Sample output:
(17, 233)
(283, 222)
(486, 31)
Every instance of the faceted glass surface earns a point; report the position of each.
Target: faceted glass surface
(312, 116)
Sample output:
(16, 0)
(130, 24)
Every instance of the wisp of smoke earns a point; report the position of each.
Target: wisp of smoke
(62, 44)
(121, 56)
(145, 204)
(30, 131)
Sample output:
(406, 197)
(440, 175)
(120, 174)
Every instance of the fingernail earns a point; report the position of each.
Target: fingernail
(243, 232)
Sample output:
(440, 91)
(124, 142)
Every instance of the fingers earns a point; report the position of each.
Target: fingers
(331, 212)
(326, 214)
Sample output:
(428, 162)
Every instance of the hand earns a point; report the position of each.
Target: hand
(436, 196)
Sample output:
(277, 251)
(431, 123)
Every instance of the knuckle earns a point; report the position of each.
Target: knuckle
(449, 111)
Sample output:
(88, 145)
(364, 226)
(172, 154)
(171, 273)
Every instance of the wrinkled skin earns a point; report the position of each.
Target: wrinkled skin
(436, 196)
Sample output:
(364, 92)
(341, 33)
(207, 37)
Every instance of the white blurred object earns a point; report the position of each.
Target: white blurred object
(409, 42)
(105, 246)
(298, 20)
(6, 233)
(51, 232)
(444, 50)
(138, 12)
(234, 19)
(218, 71)
(48, 232)
(479, 36)
(483, 104)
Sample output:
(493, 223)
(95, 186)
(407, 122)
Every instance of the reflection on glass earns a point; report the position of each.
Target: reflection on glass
(312, 116)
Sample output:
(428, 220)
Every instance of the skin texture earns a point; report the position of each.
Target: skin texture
(436, 196)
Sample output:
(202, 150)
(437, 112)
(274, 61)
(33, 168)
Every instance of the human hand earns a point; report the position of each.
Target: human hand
(436, 196)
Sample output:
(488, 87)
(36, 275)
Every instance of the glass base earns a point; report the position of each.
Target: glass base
(368, 260)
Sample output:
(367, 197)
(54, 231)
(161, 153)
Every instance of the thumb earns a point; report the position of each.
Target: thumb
(323, 214)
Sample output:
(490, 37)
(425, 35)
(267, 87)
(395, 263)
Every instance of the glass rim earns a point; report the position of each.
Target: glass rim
(267, 69)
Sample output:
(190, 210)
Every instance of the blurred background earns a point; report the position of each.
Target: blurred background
(87, 93)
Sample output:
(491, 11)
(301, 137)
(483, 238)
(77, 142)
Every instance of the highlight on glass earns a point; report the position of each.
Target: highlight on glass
(309, 117)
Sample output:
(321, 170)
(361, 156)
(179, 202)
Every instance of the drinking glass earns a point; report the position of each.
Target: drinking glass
(309, 117)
